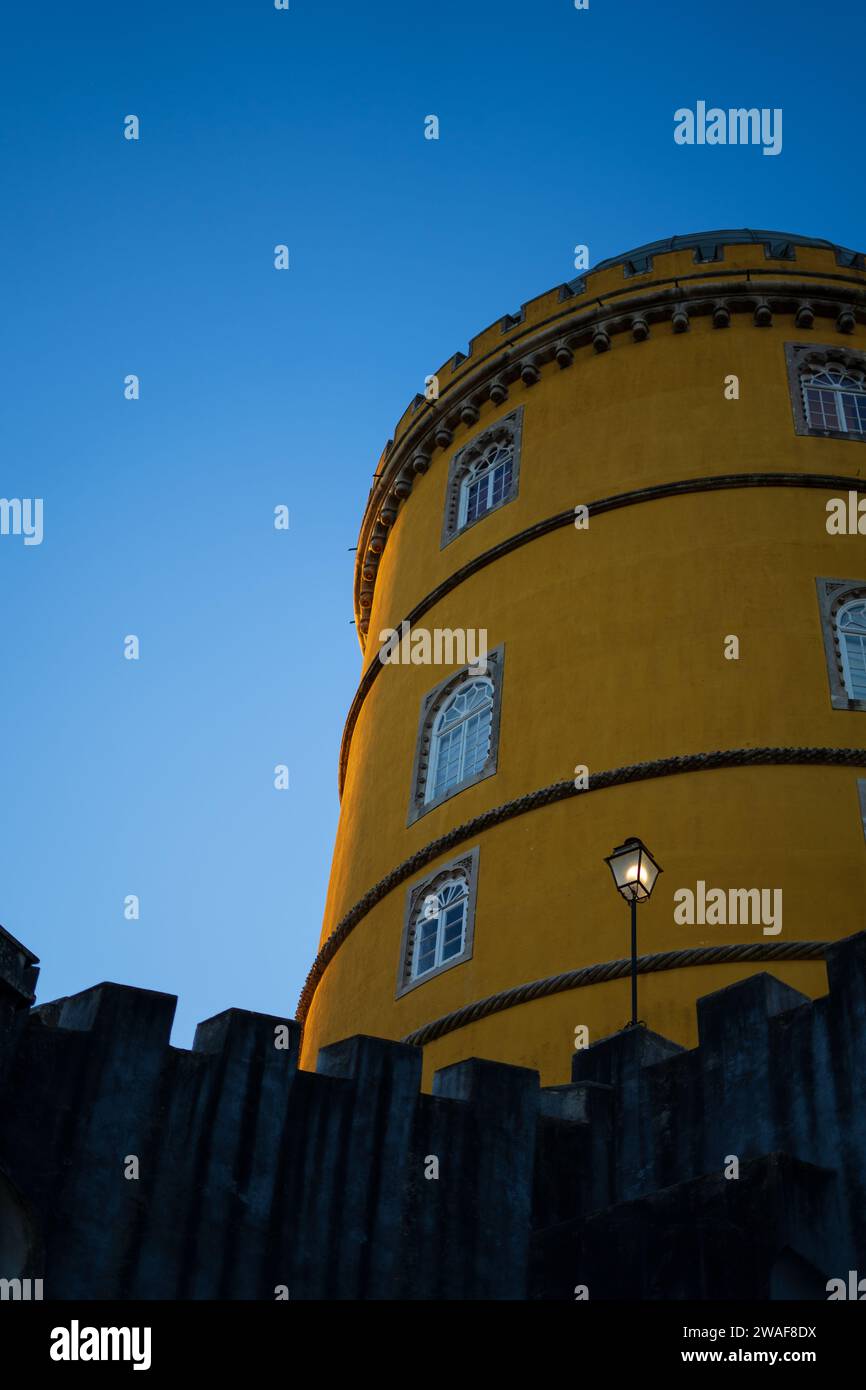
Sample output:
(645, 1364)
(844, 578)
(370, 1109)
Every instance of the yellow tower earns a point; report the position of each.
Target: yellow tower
(622, 541)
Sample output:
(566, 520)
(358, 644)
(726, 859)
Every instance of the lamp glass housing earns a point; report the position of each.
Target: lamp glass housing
(634, 870)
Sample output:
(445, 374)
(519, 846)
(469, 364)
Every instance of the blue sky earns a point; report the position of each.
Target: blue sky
(261, 387)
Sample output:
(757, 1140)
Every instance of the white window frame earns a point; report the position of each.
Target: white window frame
(483, 473)
(462, 871)
(839, 390)
(842, 638)
(470, 463)
(432, 791)
(460, 881)
(422, 799)
(834, 597)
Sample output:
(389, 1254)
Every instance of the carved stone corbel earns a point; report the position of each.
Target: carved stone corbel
(601, 338)
(388, 513)
(763, 315)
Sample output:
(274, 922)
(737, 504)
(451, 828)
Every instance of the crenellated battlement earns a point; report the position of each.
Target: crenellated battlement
(700, 255)
(252, 1177)
(663, 286)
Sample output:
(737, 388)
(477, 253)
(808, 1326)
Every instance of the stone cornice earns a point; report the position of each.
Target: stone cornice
(631, 313)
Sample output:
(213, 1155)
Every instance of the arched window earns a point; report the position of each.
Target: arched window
(460, 741)
(851, 633)
(487, 483)
(458, 734)
(440, 927)
(843, 626)
(835, 399)
(483, 475)
(828, 390)
(439, 921)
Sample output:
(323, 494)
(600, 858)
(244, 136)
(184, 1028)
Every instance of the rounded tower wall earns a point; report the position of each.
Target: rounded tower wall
(609, 646)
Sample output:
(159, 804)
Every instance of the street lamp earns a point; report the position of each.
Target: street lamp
(634, 873)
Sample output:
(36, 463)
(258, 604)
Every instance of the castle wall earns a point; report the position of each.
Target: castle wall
(253, 1174)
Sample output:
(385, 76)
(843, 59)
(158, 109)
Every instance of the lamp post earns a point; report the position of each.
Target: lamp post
(634, 873)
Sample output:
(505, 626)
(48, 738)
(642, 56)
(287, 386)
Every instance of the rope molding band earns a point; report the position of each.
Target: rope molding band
(613, 970)
(547, 796)
(717, 483)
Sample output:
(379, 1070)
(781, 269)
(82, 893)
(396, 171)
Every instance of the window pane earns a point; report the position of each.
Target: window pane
(453, 937)
(442, 937)
(425, 959)
(853, 618)
(451, 892)
(487, 485)
(855, 411)
(855, 651)
(821, 409)
(461, 740)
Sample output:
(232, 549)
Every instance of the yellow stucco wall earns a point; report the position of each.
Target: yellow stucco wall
(614, 654)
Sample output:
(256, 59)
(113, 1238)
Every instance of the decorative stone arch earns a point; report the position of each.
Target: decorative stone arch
(833, 595)
(466, 867)
(430, 707)
(803, 358)
(506, 432)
